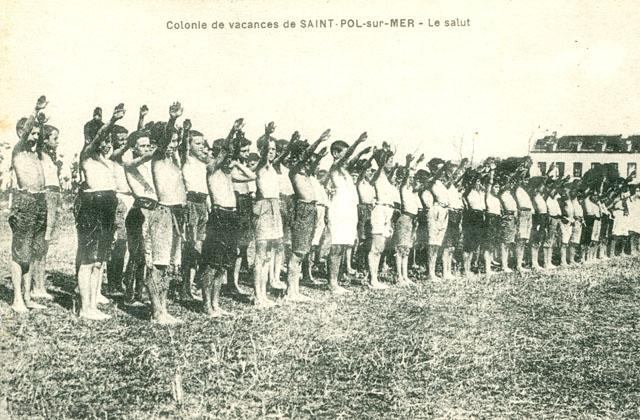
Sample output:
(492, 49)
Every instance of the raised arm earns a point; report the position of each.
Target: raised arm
(340, 162)
(366, 166)
(357, 157)
(105, 130)
(37, 115)
(143, 112)
(241, 173)
(183, 150)
(309, 151)
(175, 111)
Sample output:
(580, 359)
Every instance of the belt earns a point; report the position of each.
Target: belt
(99, 193)
(35, 194)
(196, 197)
(556, 217)
(508, 213)
(455, 210)
(322, 205)
(524, 209)
(406, 213)
(386, 205)
(52, 188)
(222, 208)
(145, 203)
(305, 201)
(476, 211)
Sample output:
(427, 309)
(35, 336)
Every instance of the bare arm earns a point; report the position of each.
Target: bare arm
(241, 173)
(309, 152)
(104, 131)
(183, 150)
(175, 111)
(143, 111)
(340, 162)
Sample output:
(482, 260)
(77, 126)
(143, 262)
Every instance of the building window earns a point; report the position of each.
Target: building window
(613, 167)
(560, 169)
(577, 169)
(631, 170)
(595, 165)
(543, 167)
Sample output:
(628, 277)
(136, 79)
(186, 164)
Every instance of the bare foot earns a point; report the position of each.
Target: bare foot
(507, 270)
(313, 280)
(94, 315)
(102, 300)
(34, 305)
(41, 294)
(19, 308)
(217, 313)
(236, 290)
(278, 284)
(409, 282)
(378, 286)
(166, 319)
(264, 303)
(338, 290)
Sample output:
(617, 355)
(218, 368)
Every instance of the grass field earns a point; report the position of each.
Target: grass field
(560, 345)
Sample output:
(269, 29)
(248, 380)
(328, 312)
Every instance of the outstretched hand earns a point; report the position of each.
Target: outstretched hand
(41, 103)
(362, 137)
(186, 124)
(325, 135)
(143, 110)
(118, 112)
(42, 118)
(295, 136)
(238, 124)
(270, 128)
(175, 110)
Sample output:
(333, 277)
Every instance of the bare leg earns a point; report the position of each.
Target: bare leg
(158, 288)
(277, 258)
(261, 274)
(116, 266)
(377, 247)
(520, 244)
(563, 255)
(348, 256)
(293, 278)
(571, 259)
(16, 278)
(433, 255)
(504, 258)
(335, 260)
(535, 265)
(446, 263)
(487, 262)
(466, 263)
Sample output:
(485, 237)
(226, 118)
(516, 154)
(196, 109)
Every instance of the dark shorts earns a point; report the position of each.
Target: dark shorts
(364, 221)
(287, 204)
(304, 223)
(220, 245)
(28, 222)
(587, 230)
(244, 203)
(540, 223)
(404, 231)
(492, 236)
(508, 229)
(452, 235)
(95, 214)
(606, 227)
(422, 220)
(138, 239)
(195, 221)
(473, 228)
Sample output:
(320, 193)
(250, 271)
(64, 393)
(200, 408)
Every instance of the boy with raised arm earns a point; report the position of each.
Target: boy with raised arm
(437, 201)
(343, 209)
(304, 213)
(268, 219)
(164, 226)
(137, 166)
(46, 149)
(245, 195)
(219, 248)
(473, 220)
(115, 265)
(381, 215)
(28, 215)
(95, 217)
(194, 159)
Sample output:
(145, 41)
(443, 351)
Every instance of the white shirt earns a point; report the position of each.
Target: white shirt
(285, 182)
(140, 181)
(440, 193)
(493, 204)
(455, 198)
(553, 207)
(476, 200)
(540, 204)
(194, 173)
(577, 208)
(410, 200)
(508, 201)
(523, 199)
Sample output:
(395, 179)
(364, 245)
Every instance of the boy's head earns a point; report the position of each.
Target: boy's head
(197, 146)
(338, 149)
(119, 136)
(51, 134)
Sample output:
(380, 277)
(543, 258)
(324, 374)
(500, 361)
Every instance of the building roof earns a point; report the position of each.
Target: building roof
(588, 144)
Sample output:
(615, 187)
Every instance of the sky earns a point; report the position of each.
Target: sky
(520, 70)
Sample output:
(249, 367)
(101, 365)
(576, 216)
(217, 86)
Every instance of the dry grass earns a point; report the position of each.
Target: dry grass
(559, 345)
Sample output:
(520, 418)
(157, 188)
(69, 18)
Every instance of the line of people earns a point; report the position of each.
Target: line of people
(188, 214)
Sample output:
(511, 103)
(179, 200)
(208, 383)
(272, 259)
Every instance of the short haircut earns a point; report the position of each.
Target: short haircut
(20, 124)
(136, 135)
(338, 146)
(48, 129)
(118, 129)
(195, 133)
(253, 157)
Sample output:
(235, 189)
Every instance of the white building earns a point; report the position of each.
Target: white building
(574, 155)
